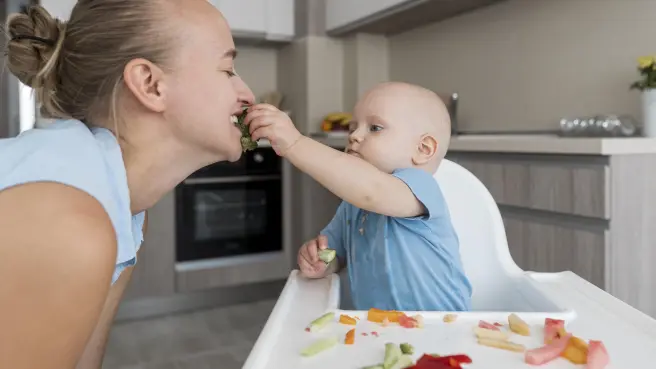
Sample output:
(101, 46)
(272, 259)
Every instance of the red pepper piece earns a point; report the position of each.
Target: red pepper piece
(451, 361)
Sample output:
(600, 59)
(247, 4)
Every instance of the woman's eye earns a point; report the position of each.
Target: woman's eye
(230, 73)
(375, 128)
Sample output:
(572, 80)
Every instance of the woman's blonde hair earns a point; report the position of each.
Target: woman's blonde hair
(76, 67)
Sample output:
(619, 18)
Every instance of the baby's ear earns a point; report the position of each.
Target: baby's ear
(426, 150)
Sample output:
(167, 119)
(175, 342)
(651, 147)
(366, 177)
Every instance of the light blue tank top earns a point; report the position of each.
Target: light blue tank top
(68, 152)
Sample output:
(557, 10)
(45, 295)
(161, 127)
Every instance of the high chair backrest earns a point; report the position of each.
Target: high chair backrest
(478, 223)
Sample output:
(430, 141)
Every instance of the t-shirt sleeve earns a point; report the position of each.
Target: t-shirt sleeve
(334, 231)
(426, 190)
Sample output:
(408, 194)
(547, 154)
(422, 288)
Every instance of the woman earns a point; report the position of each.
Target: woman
(143, 93)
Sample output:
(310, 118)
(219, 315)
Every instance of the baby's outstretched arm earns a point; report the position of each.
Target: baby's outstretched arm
(354, 180)
(350, 178)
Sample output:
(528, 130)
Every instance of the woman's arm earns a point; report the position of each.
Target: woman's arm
(57, 256)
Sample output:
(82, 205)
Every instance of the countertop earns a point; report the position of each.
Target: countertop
(534, 144)
(552, 144)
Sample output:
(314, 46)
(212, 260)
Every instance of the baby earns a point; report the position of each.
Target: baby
(393, 228)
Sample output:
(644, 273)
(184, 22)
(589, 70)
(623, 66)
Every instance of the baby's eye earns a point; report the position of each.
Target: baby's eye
(375, 128)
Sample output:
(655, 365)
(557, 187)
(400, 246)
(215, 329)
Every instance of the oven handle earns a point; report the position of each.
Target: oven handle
(235, 179)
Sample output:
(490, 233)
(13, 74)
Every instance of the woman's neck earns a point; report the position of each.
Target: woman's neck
(155, 164)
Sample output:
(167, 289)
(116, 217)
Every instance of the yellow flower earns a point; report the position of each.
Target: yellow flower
(645, 61)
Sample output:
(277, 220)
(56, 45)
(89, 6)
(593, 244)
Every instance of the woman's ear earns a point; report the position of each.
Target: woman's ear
(426, 149)
(145, 80)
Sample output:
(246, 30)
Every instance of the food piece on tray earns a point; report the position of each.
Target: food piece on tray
(576, 351)
(379, 316)
(552, 328)
(486, 325)
(327, 255)
(448, 318)
(548, 352)
(379, 366)
(320, 345)
(405, 361)
(322, 321)
(518, 326)
(442, 362)
(392, 354)
(501, 344)
(410, 322)
(597, 355)
(350, 337)
(489, 333)
(407, 348)
(345, 319)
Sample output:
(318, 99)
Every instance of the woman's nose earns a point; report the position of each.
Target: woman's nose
(244, 93)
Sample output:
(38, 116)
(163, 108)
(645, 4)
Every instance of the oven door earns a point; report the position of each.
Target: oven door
(228, 216)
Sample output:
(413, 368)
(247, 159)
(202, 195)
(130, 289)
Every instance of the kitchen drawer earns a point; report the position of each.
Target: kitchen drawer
(562, 186)
(540, 245)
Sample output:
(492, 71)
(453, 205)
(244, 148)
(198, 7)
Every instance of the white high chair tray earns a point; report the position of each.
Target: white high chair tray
(590, 313)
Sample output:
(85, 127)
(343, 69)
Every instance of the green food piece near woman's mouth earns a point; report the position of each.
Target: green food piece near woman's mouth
(247, 142)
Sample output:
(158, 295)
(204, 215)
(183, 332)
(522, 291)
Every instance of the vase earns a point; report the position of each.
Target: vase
(649, 112)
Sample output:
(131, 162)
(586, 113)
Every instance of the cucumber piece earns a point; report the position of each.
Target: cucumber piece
(405, 361)
(407, 348)
(392, 355)
(320, 345)
(378, 366)
(321, 322)
(327, 255)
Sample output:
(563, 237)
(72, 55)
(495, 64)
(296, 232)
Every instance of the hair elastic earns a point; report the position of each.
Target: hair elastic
(34, 38)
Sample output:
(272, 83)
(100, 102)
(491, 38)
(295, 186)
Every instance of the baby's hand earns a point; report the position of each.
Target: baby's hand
(266, 121)
(308, 258)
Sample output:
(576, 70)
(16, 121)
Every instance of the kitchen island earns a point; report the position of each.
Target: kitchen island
(586, 205)
(582, 204)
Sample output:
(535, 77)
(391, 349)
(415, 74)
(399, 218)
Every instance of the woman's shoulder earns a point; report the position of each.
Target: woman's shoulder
(89, 160)
(63, 150)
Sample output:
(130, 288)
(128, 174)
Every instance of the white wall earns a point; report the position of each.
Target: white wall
(523, 64)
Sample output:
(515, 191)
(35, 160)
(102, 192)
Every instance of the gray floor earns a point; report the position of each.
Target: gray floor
(208, 339)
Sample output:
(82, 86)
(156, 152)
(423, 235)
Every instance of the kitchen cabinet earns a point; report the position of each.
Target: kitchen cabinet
(388, 17)
(539, 245)
(59, 8)
(271, 20)
(340, 13)
(266, 20)
(588, 214)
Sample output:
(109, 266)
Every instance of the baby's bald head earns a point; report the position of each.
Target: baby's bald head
(419, 111)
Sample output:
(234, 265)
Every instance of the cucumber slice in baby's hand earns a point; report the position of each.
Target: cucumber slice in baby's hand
(327, 255)
(320, 345)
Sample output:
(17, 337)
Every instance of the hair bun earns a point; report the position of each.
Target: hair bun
(33, 48)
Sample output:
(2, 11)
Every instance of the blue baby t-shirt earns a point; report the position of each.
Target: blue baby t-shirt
(409, 264)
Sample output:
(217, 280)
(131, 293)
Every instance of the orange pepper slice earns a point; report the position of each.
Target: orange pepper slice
(378, 316)
(350, 337)
(345, 319)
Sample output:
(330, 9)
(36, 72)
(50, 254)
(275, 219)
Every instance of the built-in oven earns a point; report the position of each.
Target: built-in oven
(231, 209)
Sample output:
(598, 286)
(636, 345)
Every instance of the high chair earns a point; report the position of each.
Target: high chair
(479, 226)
